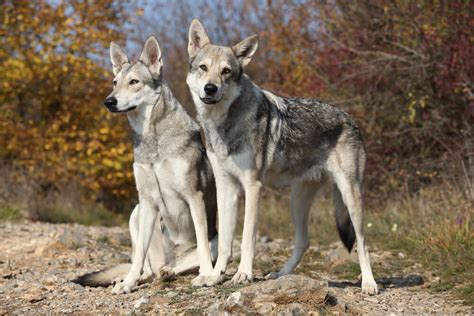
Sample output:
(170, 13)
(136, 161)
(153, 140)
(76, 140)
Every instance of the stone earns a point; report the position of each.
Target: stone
(339, 254)
(59, 242)
(265, 308)
(235, 299)
(141, 301)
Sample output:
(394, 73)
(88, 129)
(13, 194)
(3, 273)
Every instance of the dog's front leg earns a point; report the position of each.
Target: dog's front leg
(252, 188)
(147, 214)
(227, 203)
(198, 213)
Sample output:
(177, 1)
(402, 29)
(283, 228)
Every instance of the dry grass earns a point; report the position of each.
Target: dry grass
(433, 226)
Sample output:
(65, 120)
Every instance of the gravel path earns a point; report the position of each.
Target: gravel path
(37, 260)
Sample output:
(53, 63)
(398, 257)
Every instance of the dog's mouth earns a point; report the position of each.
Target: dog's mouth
(209, 100)
(115, 110)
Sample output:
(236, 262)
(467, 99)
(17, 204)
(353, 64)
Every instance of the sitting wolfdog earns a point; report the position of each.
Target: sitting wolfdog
(256, 137)
(169, 228)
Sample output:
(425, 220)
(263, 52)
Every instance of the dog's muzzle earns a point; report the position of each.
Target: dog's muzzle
(210, 89)
(111, 104)
(209, 100)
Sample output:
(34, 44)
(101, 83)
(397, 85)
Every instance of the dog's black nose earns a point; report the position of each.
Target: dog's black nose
(110, 102)
(210, 89)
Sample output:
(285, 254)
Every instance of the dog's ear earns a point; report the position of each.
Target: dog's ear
(118, 57)
(151, 56)
(198, 38)
(245, 49)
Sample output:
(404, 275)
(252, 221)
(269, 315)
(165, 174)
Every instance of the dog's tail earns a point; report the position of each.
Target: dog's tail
(103, 277)
(343, 220)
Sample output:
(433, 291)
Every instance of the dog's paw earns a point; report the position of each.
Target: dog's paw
(214, 280)
(200, 281)
(370, 287)
(242, 278)
(167, 274)
(272, 276)
(122, 288)
(117, 280)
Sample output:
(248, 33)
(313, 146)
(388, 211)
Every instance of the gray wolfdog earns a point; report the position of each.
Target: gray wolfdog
(169, 228)
(255, 137)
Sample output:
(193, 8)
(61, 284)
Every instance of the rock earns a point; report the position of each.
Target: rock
(215, 309)
(50, 280)
(339, 254)
(34, 295)
(59, 242)
(297, 294)
(265, 308)
(386, 254)
(235, 299)
(159, 300)
(294, 309)
(141, 301)
(402, 255)
(289, 284)
(371, 299)
(121, 238)
(171, 294)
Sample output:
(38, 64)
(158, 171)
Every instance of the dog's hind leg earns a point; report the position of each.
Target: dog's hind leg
(347, 174)
(188, 262)
(302, 196)
(156, 256)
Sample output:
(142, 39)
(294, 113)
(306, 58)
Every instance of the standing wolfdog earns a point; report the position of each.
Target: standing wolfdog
(172, 173)
(256, 137)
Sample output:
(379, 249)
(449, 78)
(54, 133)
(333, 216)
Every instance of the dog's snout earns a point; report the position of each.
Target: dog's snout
(110, 102)
(210, 89)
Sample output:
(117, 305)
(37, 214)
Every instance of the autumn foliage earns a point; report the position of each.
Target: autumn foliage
(53, 127)
(403, 69)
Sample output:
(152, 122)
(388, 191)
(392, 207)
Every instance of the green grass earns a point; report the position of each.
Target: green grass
(228, 289)
(84, 216)
(8, 213)
(467, 293)
(349, 271)
(449, 247)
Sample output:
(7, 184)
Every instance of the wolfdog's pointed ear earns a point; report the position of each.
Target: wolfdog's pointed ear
(198, 38)
(118, 57)
(245, 49)
(151, 56)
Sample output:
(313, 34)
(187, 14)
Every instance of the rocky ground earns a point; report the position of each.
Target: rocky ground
(37, 260)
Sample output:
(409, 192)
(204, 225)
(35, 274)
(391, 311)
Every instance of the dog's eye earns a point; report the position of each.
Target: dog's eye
(203, 67)
(225, 71)
(115, 82)
(133, 81)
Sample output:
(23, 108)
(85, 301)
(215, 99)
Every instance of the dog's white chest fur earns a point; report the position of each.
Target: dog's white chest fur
(140, 119)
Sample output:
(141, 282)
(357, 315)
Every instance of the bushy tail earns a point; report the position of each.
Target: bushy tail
(343, 220)
(104, 277)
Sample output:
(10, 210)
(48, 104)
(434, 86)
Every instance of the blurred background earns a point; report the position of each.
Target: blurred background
(403, 69)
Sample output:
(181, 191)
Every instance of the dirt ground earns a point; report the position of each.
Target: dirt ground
(38, 260)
